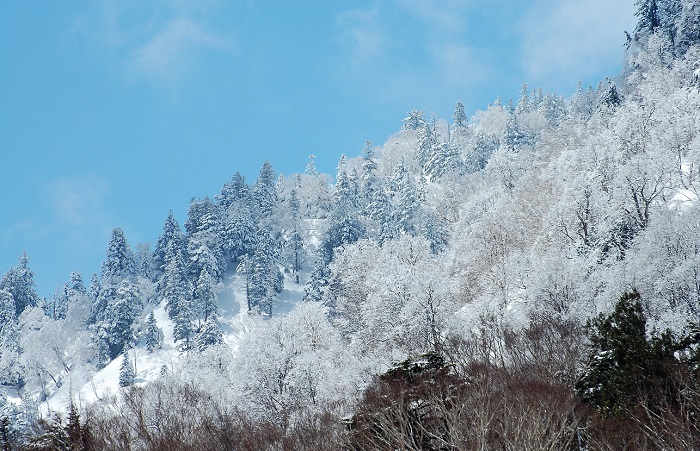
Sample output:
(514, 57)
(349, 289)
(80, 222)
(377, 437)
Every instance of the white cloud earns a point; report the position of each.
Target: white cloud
(168, 53)
(78, 201)
(444, 19)
(161, 41)
(361, 35)
(566, 40)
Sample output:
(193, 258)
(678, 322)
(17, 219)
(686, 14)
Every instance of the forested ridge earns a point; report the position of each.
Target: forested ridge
(525, 278)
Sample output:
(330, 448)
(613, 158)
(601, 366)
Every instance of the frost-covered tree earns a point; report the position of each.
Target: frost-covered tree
(116, 328)
(444, 160)
(234, 191)
(204, 295)
(265, 190)
(171, 234)
(208, 335)
(427, 142)
(524, 102)
(119, 261)
(73, 292)
(153, 335)
(374, 200)
(238, 232)
(459, 117)
(126, 370)
(19, 282)
(414, 121)
(344, 225)
(514, 137)
(264, 279)
(405, 199)
(9, 341)
(688, 26)
(174, 286)
(183, 318)
(296, 254)
(204, 248)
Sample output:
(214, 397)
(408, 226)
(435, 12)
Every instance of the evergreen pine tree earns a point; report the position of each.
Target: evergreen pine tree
(171, 234)
(153, 334)
(204, 295)
(203, 239)
(119, 261)
(209, 334)
(126, 371)
(233, 192)
(265, 190)
(9, 341)
(19, 282)
(117, 324)
(626, 368)
(459, 117)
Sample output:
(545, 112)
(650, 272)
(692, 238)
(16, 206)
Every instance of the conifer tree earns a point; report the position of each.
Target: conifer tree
(203, 239)
(116, 326)
(626, 368)
(296, 241)
(459, 117)
(126, 371)
(204, 295)
(9, 341)
(19, 282)
(209, 334)
(265, 190)
(171, 234)
(119, 261)
(233, 192)
(153, 334)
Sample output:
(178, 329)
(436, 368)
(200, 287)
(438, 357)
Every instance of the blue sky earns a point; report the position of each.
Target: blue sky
(114, 112)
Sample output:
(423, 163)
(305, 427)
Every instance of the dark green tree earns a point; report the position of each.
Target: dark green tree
(626, 368)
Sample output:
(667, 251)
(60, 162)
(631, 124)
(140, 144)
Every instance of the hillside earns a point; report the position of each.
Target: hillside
(495, 260)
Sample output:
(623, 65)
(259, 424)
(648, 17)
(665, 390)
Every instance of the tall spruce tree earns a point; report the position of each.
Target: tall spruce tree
(19, 282)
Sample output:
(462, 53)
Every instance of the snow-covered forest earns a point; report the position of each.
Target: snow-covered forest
(525, 278)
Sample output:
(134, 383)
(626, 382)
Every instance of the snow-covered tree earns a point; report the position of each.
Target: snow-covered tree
(73, 292)
(459, 117)
(153, 335)
(126, 370)
(119, 261)
(208, 335)
(234, 191)
(265, 191)
(204, 248)
(116, 328)
(9, 341)
(171, 234)
(263, 275)
(414, 121)
(19, 282)
(204, 295)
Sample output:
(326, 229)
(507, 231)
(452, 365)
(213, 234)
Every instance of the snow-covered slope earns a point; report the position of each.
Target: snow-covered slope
(84, 388)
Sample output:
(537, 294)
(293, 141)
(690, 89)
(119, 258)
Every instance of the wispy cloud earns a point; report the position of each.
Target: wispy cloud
(564, 40)
(411, 51)
(160, 41)
(171, 51)
(361, 35)
(78, 201)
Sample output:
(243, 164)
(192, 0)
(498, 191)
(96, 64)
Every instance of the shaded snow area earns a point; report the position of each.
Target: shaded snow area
(86, 387)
